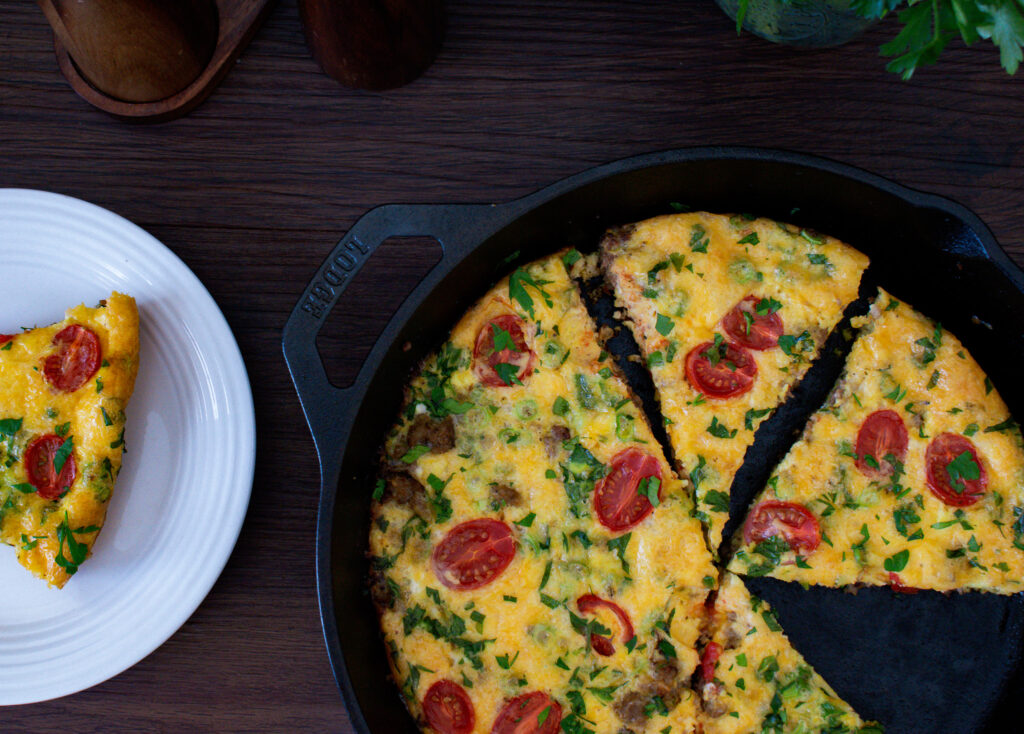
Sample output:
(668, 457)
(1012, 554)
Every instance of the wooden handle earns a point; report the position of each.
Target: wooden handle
(136, 50)
(373, 44)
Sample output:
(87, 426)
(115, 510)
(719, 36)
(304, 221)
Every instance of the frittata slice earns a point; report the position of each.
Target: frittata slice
(755, 681)
(534, 555)
(729, 312)
(63, 393)
(912, 474)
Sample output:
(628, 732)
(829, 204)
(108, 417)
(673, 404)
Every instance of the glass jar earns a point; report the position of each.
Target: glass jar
(806, 23)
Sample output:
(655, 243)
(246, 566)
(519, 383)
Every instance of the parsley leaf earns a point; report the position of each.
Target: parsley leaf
(502, 340)
(718, 501)
(414, 453)
(649, 488)
(962, 469)
(508, 373)
(62, 454)
(618, 547)
(752, 415)
(720, 430)
(698, 239)
(76, 551)
(898, 561)
(517, 285)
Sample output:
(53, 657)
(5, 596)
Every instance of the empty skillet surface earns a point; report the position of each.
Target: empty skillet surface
(921, 663)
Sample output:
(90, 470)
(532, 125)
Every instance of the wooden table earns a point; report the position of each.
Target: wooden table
(253, 189)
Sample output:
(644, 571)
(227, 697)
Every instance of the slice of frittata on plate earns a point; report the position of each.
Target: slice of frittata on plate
(63, 392)
(536, 561)
(911, 474)
(729, 313)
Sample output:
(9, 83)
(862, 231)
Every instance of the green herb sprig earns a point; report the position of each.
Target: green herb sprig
(927, 27)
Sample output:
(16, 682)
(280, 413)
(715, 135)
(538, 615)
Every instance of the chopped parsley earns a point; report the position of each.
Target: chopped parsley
(898, 561)
(698, 239)
(414, 453)
(649, 488)
(618, 547)
(76, 551)
(518, 283)
(718, 501)
(962, 469)
(752, 415)
(579, 475)
(794, 346)
(720, 430)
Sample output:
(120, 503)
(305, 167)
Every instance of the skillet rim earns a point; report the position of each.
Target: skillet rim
(487, 221)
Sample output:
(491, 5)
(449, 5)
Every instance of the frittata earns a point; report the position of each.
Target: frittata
(729, 313)
(755, 681)
(536, 563)
(911, 474)
(63, 393)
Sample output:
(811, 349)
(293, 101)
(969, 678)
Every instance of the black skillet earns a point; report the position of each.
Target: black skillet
(920, 663)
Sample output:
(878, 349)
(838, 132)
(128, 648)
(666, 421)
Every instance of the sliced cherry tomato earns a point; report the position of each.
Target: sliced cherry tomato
(896, 584)
(955, 473)
(882, 433)
(617, 501)
(473, 554)
(448, 708)
(732, 373)
(709, 660)
(42, 474)
(511, 350)
(792, 521)
(753, 330)
(76, 359)
(4, 338)
(531, 713)
(605, 645)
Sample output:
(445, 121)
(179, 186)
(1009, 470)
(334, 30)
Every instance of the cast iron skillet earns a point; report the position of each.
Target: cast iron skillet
(921, 663)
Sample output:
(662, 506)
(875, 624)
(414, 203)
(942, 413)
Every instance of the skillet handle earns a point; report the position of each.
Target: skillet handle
(325, 406)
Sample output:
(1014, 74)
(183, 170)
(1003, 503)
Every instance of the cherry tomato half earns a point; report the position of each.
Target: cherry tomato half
(514, 351)
(617, 501)
(882, 433)
(896, 584)
(954, 471)
(473, 554)
(709, 660)
(42, 474)
(732, 374)
(753, 331)
(76, 359)
(448, 708)
(531, 713)
(605, 645)
(4, 338)
(792, 521)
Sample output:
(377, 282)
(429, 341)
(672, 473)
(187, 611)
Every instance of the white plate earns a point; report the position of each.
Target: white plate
(181, 497)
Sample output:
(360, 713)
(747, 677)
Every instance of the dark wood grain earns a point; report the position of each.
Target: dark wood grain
(255, 186)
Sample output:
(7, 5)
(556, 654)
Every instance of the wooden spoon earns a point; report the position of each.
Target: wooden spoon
(136, 50)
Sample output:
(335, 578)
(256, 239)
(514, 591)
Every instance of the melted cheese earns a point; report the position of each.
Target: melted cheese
(516, 634)
(93, 416)
(689, 271)
(870, 523)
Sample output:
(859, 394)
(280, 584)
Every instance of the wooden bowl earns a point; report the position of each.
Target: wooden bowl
(238, 22)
